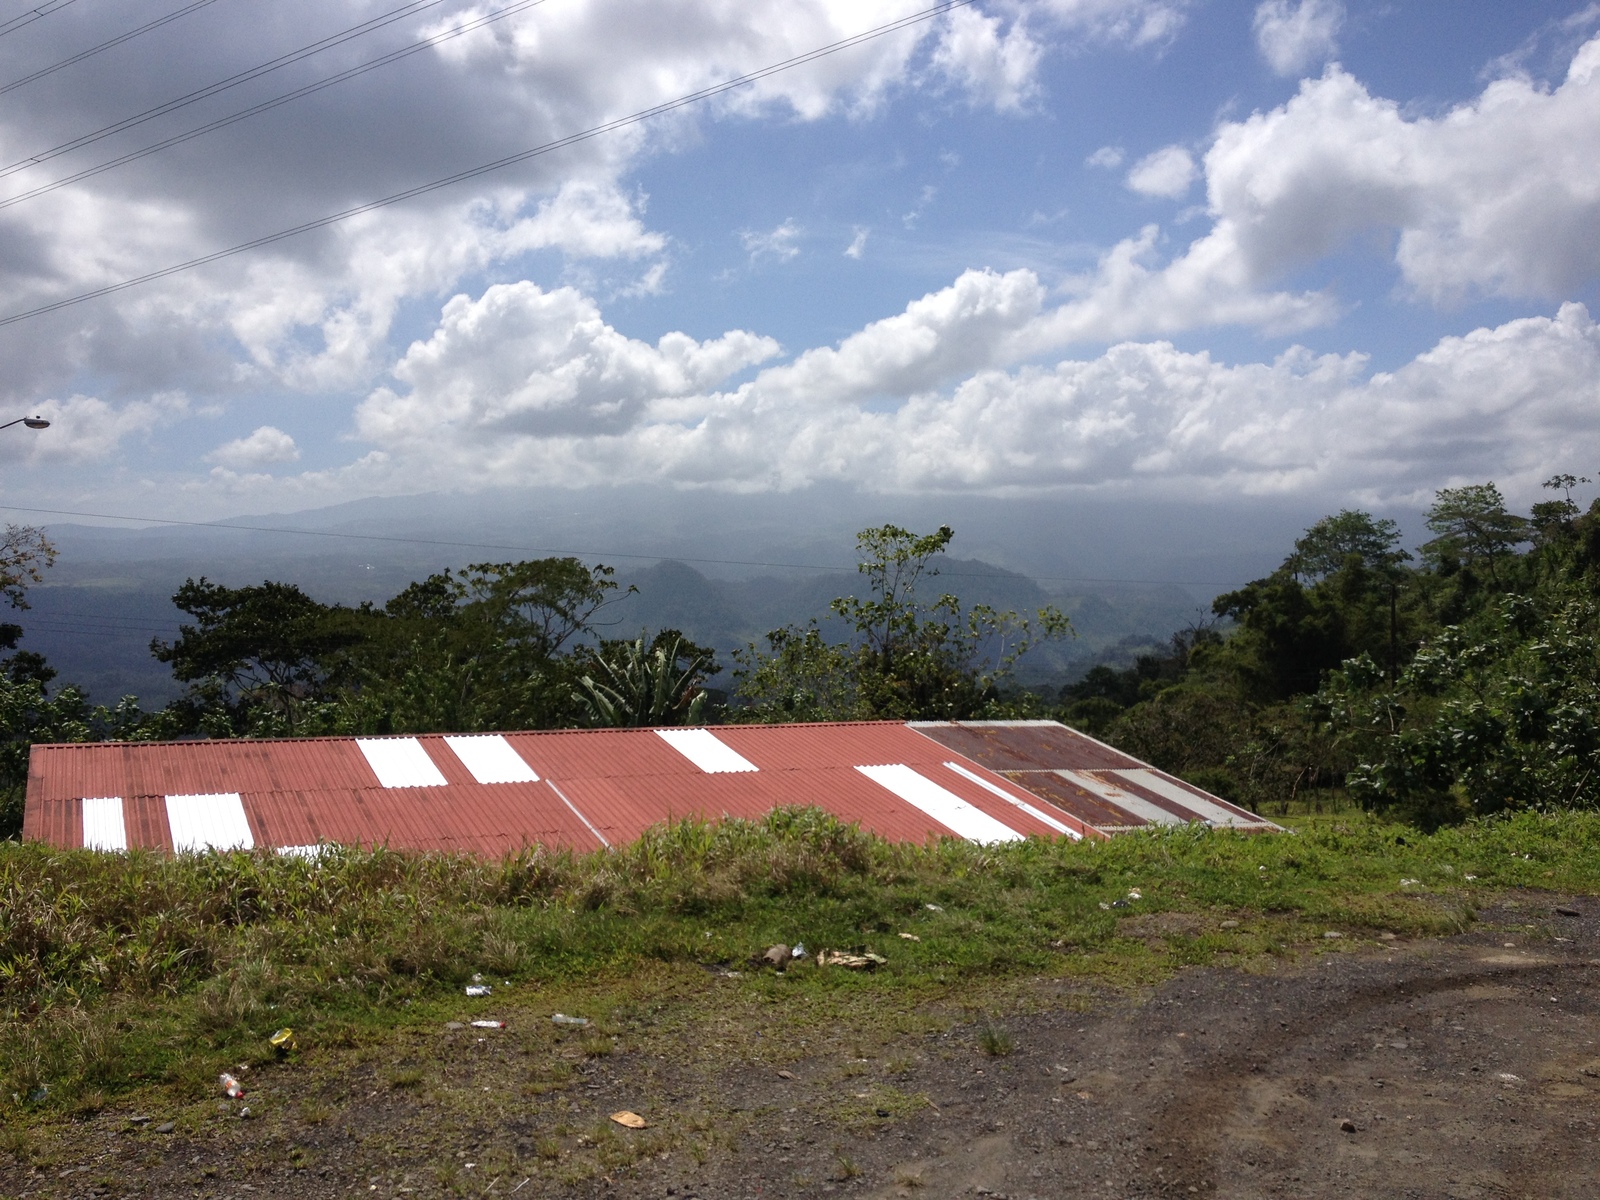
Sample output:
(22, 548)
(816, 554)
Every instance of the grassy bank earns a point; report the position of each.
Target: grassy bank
(122, 972)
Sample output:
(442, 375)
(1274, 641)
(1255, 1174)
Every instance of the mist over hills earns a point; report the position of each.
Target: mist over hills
(722, 568)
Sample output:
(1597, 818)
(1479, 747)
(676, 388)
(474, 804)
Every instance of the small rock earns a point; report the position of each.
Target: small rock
(140, 1120)
(1566, 910)
(1386, 936)
(777, 956)
(455, 1025)
(1346, 1124)
(166, 1127)
(1333, 934)
(1230, 924)
(785, 1075)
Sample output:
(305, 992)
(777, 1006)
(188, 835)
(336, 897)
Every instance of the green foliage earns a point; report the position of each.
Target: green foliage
(1467, 684)
(256, 658)
(1474, 529)
(909, 658)
(657, 684)
(129, 969)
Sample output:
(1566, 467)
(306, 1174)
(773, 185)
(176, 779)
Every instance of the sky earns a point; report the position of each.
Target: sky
(1299, 252)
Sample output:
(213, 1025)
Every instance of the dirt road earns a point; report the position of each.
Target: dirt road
(1461, 1067)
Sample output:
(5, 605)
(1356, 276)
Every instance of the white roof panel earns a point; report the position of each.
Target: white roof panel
(400, 762)
(491, 758)
(701, 747)
(103, 827)
(214, 821)
(945, 807)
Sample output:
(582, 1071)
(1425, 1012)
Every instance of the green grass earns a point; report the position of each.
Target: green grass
(122, 972)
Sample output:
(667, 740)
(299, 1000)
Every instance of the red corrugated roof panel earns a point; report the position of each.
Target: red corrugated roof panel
(926, 781)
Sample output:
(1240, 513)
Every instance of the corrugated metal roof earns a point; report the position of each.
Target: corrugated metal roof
(491, 794)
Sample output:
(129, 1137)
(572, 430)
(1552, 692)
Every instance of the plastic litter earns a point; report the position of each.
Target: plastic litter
(629, 1120)
(865, 961)
(799, 950)
(1135, 894)
(231, 1087)
(563, 1019)
(244, 1113)
(283, 1040)
(478, 989)
(488, 1024)
(37, 1096)
(911, 937)
(933, 908)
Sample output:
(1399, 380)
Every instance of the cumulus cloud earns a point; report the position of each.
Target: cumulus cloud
(1292, 37)
(1168, 172)
(522, 363)
(1107, 158)
(916, 402)
(989, 59)
(265, 446)
(1496, 196)
(858, 244)
(315, 313)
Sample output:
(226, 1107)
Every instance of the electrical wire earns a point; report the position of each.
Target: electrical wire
(584, 554)
(275, 102)
(32, 15)
(222, 85)
(105, 45)
(593, 131)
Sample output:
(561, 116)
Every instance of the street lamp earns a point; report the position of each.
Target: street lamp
(30, 422)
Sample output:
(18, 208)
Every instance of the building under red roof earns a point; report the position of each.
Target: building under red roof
(987, 781)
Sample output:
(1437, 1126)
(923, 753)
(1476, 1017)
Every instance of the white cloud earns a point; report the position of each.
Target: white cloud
(88, 429)
(914, 403)
(1292, 37)
(265, 446)
(989, 60)
(1107, 158)
(521, 363)
(1168, 172)
(858, 244)
(778, 243)
(1500, 195)
(315, 312)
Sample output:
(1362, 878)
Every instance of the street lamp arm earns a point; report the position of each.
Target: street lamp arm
(30, 422)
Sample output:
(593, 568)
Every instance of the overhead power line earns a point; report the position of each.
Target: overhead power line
(222, 85)
(32, 15)
(498, 164)
(255, 109)
(568, 553)
(105, 45)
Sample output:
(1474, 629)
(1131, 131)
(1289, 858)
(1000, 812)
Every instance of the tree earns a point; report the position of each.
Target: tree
(909, 657)
(25, 554)
(257, 657)
(1329, 545)
(1473, 527)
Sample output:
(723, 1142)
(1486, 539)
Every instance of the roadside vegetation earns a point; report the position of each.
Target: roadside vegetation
(135, 972)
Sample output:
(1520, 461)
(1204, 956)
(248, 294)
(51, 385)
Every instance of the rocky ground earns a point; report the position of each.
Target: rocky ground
(1460, 1067)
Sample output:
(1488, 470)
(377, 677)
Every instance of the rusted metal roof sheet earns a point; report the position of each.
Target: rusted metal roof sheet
(1096, 782)
(492, 794)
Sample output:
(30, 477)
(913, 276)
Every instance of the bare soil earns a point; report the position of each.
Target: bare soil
(1462, 1067)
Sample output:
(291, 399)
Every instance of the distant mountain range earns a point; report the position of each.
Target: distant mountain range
(723, 569)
